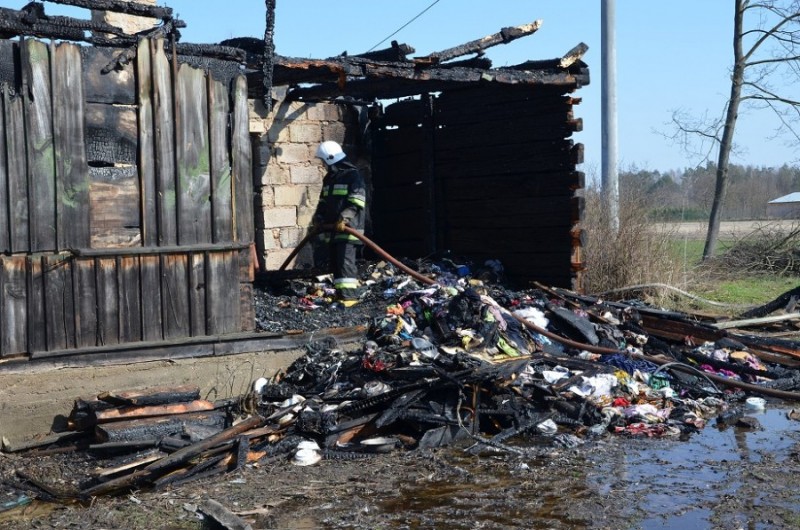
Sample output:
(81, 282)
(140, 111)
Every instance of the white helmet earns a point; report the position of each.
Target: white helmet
(330, 152)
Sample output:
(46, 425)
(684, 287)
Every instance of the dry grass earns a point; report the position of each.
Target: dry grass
(636, 254)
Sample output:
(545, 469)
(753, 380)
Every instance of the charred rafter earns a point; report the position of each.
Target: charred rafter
(504, 36)
(120, 6)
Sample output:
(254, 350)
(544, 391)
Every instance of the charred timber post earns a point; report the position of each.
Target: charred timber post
(504, 36)
(269, 54)
(574, 55)
(120, 6)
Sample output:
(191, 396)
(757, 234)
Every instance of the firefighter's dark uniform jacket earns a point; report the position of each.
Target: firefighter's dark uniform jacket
(343, 196)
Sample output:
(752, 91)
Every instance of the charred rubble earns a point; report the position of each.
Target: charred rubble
(465, 361)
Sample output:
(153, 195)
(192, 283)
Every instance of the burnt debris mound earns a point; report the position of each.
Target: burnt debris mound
(463, 360)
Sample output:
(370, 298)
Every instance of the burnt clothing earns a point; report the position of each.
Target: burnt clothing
(343, 196)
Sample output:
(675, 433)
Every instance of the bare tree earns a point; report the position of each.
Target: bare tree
(768, 50)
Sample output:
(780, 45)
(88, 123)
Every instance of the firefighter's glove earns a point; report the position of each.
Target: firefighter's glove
(340, 224)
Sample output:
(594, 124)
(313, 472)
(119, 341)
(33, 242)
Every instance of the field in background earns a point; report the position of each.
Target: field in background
(688, 241)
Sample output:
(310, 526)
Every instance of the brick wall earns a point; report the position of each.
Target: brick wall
(288, 177)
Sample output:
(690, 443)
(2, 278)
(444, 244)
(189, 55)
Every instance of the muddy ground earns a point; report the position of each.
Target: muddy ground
(721, 477)
(724, 477)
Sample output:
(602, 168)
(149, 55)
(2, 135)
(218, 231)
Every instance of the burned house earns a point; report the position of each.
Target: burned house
(146, 182)
(464, 159)
(128, 177)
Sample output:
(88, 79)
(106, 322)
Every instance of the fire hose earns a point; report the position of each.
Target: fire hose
(772, 392)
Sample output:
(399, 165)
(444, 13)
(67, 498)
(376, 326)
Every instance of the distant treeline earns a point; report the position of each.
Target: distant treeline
(687, 195)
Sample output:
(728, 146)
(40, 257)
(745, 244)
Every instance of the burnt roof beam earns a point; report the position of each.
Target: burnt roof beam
(504, 36)
(379, 86)
(36, 23)
(120, 6)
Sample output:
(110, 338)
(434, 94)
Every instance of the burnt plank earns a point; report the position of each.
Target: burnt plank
(85, 289)
(9, 71)
(17, 170)
(175, 295)
(130, 308)
(246, 307)
(149, 411)
(5, 239)
(116, 86)
(242, 163)
(108, 306)
(37, 316)
(221, 191)
(502, 131)
(400, 141)
(549, 238)
(223, 302)
(510, 212)
(114, 207)
(192, 155)
(59, 302)
(146, 160)
(151, 396)
(157, 427)
(72, 174)
(197, 294)
(111, 134)
(13, 287)
(150, 277)
(39, 128)
(523, 185)
(164, 130)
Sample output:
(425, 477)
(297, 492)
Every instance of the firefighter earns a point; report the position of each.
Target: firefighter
(341, 203)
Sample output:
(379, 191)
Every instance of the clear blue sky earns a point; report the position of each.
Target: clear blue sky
(670, 55)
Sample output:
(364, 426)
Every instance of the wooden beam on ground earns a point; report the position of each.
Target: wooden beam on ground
(748, 322)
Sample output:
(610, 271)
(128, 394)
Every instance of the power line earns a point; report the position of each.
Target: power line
(404, 25)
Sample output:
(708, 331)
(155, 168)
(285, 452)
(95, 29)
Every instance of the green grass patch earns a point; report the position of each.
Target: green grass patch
(755, 290)
(690, 251)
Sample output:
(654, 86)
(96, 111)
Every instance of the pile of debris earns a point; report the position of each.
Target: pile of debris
(461, 359)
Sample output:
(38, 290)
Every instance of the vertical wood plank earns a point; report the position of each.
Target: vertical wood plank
(130, 310)
(194, 188)
(17, 171)
(59, 302)
(86, 330)
(223, 293)
(72, 171)
(248, 312)
(164, 145)
(221, 208)
(242, 164)
(107, 301)
(13, 287)
(197, 294)
(175, 296)
(5, 239)
(246, 276)
(41, 162)
(37, 315)
(151, 307)
(146, 162)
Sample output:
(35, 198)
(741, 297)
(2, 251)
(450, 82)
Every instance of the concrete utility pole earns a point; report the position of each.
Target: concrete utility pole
(608, 88)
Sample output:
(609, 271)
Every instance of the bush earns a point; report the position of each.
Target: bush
(640, 252)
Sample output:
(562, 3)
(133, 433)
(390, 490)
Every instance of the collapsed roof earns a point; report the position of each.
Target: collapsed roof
(386, 73)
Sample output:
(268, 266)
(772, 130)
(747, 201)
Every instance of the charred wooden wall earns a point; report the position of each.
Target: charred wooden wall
(125, 199)
(485, 173)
